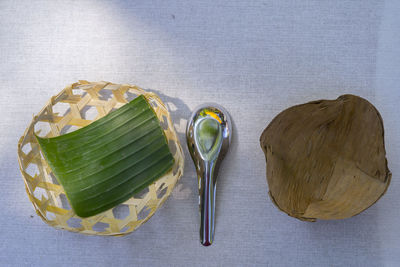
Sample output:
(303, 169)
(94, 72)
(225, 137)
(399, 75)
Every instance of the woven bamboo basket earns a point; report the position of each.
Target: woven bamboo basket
(76, 106)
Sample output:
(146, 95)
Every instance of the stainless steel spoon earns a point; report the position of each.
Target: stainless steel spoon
(208, 136)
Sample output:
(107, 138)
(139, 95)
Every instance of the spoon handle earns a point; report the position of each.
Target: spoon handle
(207, 191)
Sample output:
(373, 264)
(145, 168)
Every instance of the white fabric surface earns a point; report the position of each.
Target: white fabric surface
(256, 58)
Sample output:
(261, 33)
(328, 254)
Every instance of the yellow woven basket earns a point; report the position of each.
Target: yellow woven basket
(76, 106)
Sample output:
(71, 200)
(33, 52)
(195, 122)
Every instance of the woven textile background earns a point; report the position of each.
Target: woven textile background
(255, 58)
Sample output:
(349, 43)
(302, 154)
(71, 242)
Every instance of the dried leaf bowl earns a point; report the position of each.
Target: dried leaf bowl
(74, 107)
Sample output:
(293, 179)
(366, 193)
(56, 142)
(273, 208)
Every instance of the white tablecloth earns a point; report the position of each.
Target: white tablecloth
(256, 58)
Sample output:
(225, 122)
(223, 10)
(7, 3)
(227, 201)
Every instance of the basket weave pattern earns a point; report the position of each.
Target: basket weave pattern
(79, 100)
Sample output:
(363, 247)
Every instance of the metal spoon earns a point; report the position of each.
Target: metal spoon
(208, 136)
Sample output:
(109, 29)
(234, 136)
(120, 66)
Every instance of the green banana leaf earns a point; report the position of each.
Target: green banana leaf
(105, 163)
